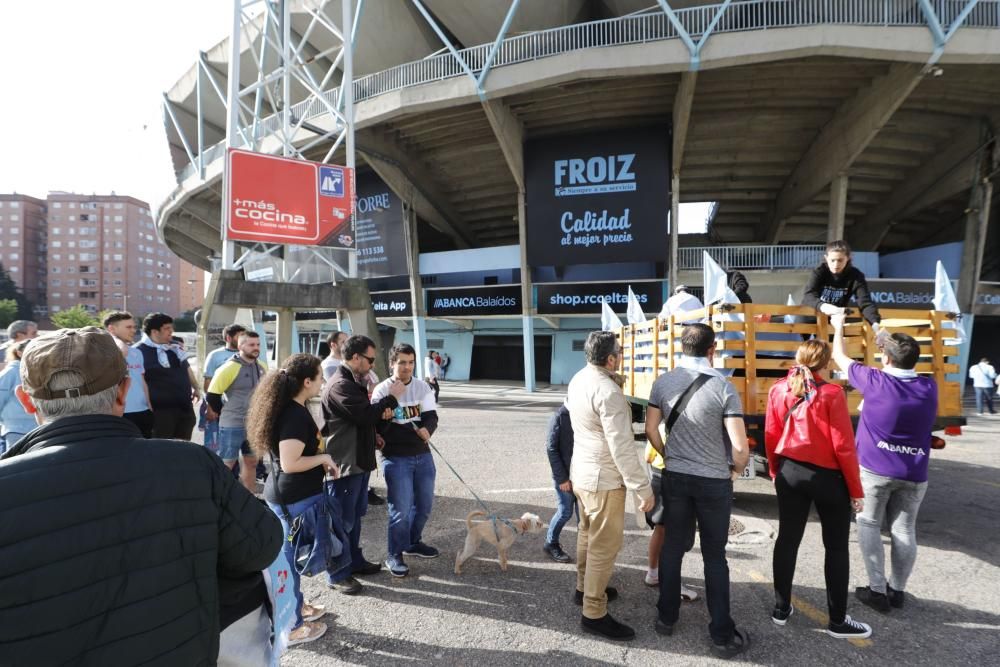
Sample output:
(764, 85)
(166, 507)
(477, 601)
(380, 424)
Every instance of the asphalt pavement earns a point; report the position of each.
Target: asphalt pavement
(494, 435)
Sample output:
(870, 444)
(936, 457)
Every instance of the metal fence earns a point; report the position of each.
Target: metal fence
(641, 28)
(757, 257)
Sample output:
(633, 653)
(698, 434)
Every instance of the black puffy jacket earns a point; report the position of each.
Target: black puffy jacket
(112, 546)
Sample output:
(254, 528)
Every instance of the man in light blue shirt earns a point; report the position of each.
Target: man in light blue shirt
(138, 409)
(16, 421)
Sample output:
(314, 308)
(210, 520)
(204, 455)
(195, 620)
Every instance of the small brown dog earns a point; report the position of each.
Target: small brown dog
(484, 531)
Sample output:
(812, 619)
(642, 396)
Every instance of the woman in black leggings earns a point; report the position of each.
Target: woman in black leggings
(812, 459)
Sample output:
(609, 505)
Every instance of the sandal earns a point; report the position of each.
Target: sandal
(738, 643)
(306, 632)
(312, 612)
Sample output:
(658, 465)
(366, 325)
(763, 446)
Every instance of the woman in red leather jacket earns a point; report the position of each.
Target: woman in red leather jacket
(813, 460)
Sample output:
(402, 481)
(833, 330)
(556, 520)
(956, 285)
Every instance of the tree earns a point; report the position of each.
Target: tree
(74, 318)
(8, 312)
(9, 290)
(185, 322)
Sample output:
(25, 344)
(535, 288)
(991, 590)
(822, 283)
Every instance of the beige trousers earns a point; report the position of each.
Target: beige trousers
(599, 538)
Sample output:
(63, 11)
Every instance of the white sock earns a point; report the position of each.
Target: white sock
(653, 572)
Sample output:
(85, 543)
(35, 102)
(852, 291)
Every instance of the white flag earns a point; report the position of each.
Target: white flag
(609, 321)
(634, 311)
(944, 294)
(716, 282)
(944, 299)
(790, 319)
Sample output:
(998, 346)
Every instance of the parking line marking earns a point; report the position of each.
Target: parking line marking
(810, 611)
(531, 490)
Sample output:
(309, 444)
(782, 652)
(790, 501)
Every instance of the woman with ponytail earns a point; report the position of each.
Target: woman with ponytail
(812, 460)
(281, 429)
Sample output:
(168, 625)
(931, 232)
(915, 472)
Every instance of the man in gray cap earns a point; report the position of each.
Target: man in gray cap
(117, 549)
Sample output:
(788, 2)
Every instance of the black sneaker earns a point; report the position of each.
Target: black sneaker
(738, 643)
(349, 586)
(896, 598)
(610, 591)
(421, 550)
(849, 629)
(367, 569)
(780, 617)
(877, 601)
(374, 498)
(556, 553)
(662, 628)
(607, 627)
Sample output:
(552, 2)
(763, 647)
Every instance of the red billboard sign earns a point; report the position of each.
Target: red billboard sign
(271, 199)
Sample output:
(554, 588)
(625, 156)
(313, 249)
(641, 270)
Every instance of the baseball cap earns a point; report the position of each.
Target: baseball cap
(680, 288)
(89, 352)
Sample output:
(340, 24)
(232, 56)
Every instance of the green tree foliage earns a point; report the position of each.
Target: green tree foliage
(74, 318)
(185, 322)
(8, 312)
(8, 290)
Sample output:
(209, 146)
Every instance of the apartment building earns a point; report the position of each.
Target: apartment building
(103, 252)
(22, 244)
(191, 287)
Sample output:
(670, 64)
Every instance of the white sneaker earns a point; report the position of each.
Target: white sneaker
(688, 594)
(307, 632)
(652, 579)
(849, 629)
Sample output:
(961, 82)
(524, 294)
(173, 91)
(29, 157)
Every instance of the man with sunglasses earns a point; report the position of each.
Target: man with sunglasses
(351, 440)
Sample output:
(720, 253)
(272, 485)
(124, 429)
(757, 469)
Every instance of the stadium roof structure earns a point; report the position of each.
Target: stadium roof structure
(781, 110)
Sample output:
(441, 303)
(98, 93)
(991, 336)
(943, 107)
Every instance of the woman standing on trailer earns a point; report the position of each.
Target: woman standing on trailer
(836, 281)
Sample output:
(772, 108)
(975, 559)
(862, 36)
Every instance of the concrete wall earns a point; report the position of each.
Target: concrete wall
(566, 362)
(921, 262)
(458, 345)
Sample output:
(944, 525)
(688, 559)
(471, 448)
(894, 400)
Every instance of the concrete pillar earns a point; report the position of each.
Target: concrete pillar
(283, 335)
(838, 208)
(977, 219)
(675, 216)
(416, 288)
(527, 307)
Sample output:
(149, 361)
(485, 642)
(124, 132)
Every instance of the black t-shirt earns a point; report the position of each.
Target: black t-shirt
(296, 423)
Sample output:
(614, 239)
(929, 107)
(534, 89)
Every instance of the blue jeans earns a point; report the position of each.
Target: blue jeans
(294, 509)
(230, 443)
(352, 494)
(984, 394)
(710, 500)
(564, 512)
(410, 484)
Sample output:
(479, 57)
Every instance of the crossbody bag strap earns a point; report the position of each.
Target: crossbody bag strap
(792, 409)
(684, 399)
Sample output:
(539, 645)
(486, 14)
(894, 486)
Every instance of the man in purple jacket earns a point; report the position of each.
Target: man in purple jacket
(894, 445)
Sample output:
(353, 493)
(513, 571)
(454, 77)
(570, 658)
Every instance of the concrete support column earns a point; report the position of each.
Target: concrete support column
(977, 219)
(675, 216)
(527, 307)
(838, 208)
(416, 288)
(283, 335)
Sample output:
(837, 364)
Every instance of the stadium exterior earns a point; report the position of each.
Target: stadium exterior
(803, 120)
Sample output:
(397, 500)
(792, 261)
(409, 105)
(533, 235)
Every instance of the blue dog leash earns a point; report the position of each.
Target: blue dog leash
(490, 514)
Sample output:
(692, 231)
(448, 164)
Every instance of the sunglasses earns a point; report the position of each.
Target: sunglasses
(371, 360)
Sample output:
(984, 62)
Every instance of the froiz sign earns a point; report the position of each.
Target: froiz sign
(272, 199)
(598, 205)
